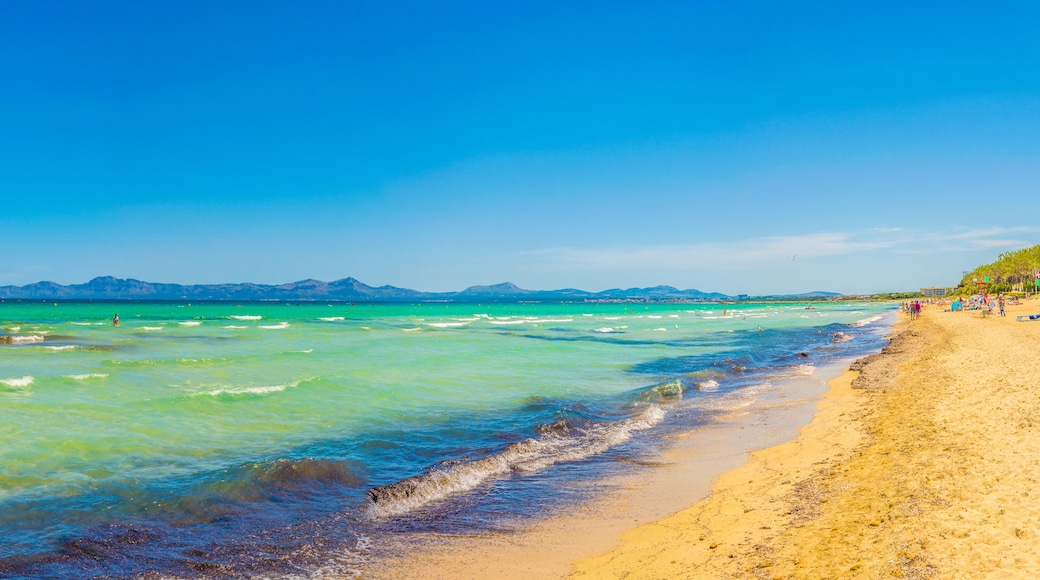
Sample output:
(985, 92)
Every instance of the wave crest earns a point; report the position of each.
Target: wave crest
(21, 338)
(557, 443)
(18, 383)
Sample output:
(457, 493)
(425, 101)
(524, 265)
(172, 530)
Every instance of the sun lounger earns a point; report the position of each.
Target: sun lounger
(1027, 317)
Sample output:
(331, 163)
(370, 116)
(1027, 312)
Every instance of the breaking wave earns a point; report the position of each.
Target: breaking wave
(18, 383)
(21, 338)
(708, 386)
(561, 442)
(278, 326)
(229, 390)
(866, 321)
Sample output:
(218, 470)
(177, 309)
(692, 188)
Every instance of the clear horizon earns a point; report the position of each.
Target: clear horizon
(740, 148)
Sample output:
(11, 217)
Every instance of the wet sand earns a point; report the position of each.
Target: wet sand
(924, 464)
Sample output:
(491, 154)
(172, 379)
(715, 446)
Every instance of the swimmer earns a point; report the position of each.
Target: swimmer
(115, 320)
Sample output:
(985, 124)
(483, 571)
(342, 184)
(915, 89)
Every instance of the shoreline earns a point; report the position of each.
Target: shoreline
(679, 477)
(919, 464)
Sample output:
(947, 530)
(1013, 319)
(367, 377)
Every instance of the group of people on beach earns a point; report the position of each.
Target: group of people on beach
(913, 308)
(983, 302)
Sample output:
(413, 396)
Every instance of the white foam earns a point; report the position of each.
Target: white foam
(611, 318)
(87, 376)
(416, 329)
(16, 328)
(27, 338)
(805, 370)
(506, 321)
(739, 399)
(660, 330)
(446, 324)
(246, 317)
(151, 328)
(62, 347)
(549, 320)
(866, 321)
(22, 382)
(652, 316)
(673, 316)
(304, 351)
(709, 385)
(524, 457)
(586, 315)
(246, 391)
(233, 327)
(332, 318)
(229, 390)
(278, 326)
(190, 323)
(604, 329)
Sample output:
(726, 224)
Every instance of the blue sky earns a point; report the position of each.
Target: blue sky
(437, 145)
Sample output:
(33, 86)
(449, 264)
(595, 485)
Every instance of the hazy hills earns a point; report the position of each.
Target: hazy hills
(345, 290)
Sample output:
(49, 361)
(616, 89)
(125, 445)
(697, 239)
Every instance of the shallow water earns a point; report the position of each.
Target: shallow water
(269, 438)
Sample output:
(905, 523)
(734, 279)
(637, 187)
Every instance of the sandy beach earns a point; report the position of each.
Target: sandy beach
(921, 464)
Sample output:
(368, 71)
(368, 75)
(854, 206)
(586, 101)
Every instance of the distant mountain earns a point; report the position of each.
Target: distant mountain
(345, 290)
(806, 295)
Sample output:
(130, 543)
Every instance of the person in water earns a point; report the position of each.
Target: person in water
(115, 320)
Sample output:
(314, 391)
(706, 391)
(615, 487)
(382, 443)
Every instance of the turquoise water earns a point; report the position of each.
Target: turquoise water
(223, 438)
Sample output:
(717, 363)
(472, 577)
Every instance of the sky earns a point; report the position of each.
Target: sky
(737, 147)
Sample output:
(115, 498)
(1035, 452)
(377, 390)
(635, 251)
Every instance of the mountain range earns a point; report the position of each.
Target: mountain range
(345, 290)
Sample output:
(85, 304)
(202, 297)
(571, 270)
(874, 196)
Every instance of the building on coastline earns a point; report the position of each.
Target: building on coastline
(935, 291)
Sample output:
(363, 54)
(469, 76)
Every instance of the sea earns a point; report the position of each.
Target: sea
(295, 440)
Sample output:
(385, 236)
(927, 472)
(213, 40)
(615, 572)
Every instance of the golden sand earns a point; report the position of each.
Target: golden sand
(925, 464)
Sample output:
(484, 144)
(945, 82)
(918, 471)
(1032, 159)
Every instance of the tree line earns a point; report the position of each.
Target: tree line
(1012, 271)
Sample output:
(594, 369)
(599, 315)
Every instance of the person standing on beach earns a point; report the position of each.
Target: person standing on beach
(1000, 304)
